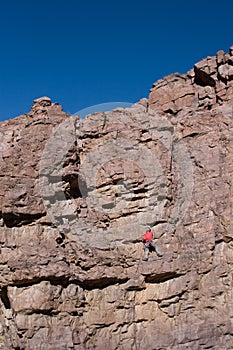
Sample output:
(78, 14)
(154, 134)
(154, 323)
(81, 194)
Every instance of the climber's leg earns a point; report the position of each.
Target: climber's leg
(157, 251)
(146, 252)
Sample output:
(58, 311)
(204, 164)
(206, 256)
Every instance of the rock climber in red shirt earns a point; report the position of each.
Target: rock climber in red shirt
(149, 245)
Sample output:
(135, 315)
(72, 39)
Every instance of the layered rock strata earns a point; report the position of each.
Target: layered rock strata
(76, 195)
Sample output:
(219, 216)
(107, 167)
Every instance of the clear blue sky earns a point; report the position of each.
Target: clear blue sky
(82, 53)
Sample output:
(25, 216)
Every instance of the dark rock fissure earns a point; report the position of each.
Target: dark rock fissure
(202, 78)
(163, 277)
(101, 283)
(65, 282)
(17, 220)
(4, 297)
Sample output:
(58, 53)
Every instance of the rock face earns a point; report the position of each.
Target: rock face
(76, 196)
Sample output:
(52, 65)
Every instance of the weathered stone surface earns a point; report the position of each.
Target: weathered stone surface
(22, 142)
(76, 195)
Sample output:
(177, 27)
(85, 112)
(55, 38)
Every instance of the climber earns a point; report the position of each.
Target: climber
(149, 245)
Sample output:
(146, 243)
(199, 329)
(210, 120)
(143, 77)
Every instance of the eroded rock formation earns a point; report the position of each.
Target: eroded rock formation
(76, 195)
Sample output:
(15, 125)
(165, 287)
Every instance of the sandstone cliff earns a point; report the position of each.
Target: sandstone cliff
(76, 196)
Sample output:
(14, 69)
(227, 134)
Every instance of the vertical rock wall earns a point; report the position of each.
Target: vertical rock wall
(76, 199)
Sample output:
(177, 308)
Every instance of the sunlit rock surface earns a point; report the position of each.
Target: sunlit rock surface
(76, 196)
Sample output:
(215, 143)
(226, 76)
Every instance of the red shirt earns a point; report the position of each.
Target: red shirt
(148, 236)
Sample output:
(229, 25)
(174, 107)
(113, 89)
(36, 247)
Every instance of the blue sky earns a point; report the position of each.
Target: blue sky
(82, 53)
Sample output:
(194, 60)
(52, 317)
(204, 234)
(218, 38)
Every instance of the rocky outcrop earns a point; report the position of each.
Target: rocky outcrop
(76, 195)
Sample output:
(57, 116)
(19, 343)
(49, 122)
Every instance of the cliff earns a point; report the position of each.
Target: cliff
(77, 194)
